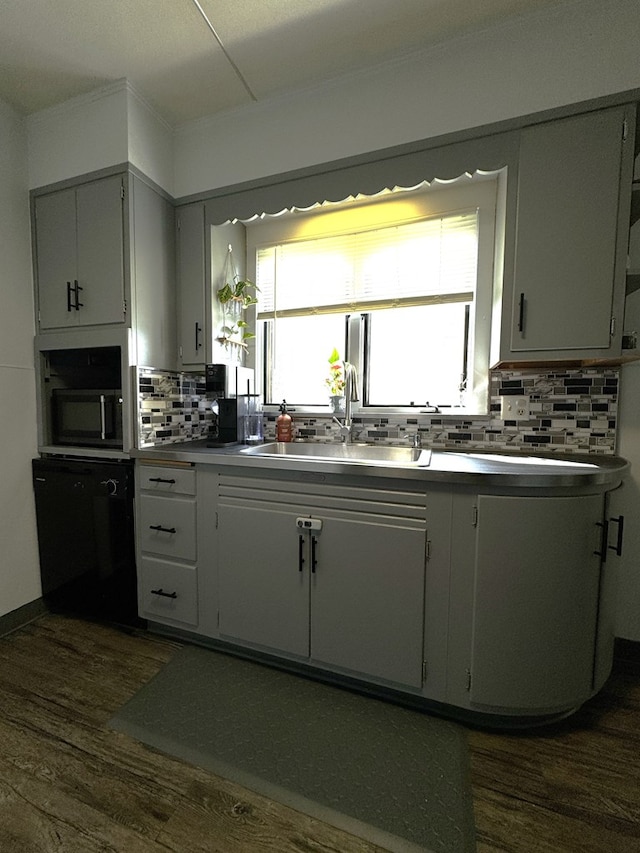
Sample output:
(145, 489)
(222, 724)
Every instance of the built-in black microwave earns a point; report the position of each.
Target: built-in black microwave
(87, 417)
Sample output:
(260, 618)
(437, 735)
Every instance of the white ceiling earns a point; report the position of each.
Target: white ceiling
(193, 58)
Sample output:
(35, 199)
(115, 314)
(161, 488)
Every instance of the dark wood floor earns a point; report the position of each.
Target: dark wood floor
(70, 785)
(572, 788)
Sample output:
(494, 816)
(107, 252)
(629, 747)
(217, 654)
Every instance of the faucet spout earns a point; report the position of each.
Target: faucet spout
(350, 396)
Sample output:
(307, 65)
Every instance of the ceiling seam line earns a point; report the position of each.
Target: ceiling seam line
(237, 71)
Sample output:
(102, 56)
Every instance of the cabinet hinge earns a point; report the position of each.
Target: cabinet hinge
(474, 516)
(427, 549)
(122, 191)
(467, 673)
(216, 520)
(612, 327)
(625, 130)
(424, 671)
(124, 307)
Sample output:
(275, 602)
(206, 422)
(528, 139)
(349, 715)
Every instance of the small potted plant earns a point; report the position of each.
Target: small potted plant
(336, 382)
(235, 300)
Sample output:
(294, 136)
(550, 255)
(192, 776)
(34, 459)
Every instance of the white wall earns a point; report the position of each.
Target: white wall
(109, 126)
(79, 136)
(579, 51)
(19, 568)
(150, 142)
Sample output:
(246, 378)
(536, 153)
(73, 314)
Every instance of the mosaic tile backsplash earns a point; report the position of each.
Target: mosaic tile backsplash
(570, 411)
(172, 407)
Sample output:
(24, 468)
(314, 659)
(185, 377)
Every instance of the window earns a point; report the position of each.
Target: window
(399, 285)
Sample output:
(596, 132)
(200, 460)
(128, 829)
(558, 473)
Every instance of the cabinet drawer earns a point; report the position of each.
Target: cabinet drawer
(167, 526)
(167, 591)
(165, 480)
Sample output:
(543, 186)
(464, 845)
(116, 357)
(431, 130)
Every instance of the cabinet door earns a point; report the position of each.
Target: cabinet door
(101, 252)
(55, 227)
(535, 602)
(567, 263)
(80, 244)
(367, 598)
(264, 594)
(193, 327)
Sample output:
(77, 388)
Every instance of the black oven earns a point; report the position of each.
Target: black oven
(87, 417)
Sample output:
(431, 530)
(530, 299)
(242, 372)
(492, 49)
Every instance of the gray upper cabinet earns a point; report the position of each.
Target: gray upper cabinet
(192, 302)
(80, 268)
(202, 252)
(568, 277)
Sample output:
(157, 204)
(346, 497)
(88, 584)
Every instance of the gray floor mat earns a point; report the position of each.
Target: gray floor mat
(395, 776)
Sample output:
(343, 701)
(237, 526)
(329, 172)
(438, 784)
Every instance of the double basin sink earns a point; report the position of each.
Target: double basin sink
(362, 454)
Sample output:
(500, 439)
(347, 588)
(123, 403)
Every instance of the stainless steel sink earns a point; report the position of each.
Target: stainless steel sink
(363, 454)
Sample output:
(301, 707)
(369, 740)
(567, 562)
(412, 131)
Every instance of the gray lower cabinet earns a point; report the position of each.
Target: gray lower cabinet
(167, 545)
(332, 575)
(79, 255)
(488, 603)
(536, 585)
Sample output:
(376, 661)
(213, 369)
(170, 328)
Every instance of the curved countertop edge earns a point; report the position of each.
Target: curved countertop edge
(456, 467)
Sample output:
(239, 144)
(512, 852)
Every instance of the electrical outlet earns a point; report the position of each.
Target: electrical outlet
(514, 408)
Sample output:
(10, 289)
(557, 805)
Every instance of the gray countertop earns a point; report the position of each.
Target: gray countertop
(478, 468)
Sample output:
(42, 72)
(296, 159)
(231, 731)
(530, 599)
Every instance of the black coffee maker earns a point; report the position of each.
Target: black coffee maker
(231, 388)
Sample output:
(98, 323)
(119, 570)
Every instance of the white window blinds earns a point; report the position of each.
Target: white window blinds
(419, 263)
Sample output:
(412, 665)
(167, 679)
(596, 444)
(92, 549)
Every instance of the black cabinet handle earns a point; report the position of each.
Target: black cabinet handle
(314, 562)
(198, 330)
(300, 552)
(521, 314)
(160, 480)
(164, 594)
(78, 305)
(618, 546)
(69, 305)
(603, 540)
(163, 529)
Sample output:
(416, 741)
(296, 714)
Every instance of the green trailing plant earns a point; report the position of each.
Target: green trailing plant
(235, 298)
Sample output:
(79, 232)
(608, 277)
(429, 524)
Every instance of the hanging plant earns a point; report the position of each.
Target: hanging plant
(235, 299)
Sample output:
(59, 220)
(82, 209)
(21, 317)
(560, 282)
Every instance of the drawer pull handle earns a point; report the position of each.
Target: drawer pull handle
(161, 528)
(164, 594)
(160, 480)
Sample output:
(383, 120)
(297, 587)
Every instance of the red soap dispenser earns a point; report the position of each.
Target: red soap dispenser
(284, 424)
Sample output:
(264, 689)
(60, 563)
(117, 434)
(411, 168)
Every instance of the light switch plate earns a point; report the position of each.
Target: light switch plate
(514, 408)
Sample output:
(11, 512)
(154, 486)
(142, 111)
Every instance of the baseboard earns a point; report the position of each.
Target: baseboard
(22, 616)
(626, 650)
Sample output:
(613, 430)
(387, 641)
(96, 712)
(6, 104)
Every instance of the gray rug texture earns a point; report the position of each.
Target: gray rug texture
(394, 776)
